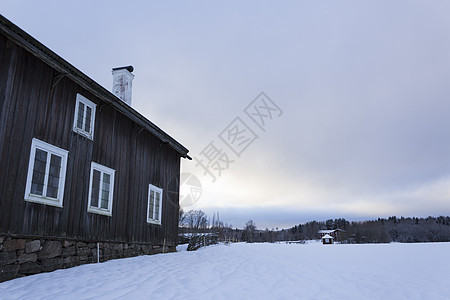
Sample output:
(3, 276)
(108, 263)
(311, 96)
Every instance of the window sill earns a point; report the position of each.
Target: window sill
(100, 211)
(153, 222)
(44, 200)
(83, 133)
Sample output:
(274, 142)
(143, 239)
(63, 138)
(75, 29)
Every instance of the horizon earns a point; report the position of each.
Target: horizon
(279, 228)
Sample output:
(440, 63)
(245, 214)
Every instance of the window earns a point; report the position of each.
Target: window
(154, 205)
(46, 174)
(84, 117)
(101, 189)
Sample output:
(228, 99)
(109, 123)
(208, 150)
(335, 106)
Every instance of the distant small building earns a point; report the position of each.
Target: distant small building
(336, 234)
(327, 239)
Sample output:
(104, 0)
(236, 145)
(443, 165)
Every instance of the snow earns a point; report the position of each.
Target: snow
(257, 271)
(326, 231)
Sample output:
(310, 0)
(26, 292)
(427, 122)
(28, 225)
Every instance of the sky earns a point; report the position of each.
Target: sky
(355, 98)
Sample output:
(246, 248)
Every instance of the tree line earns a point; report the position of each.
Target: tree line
(382, 230)
(392, 229)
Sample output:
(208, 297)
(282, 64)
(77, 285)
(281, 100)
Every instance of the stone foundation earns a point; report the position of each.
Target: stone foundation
(25, 256)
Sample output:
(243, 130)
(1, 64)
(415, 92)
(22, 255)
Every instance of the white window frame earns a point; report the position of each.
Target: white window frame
(150, 219)
(50, 149)
(103, 170)
(87, 103)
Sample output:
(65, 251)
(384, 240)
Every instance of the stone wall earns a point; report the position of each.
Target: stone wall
(25, 256)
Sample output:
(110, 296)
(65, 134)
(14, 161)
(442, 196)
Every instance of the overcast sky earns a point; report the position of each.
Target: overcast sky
(362, 88)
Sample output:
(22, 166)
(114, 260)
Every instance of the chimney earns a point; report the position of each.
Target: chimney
(122, 82)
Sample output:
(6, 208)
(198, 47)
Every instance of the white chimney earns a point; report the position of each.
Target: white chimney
(122, 83)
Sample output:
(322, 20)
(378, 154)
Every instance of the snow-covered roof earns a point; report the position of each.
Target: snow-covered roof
(327, 236)
(327, 231)
(330, 230)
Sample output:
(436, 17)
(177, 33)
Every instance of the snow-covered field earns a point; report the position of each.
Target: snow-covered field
(254, 271)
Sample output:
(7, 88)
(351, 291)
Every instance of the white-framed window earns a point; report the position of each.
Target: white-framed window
(84, 119)
(46, 174)
(101, 188)
(154, 207)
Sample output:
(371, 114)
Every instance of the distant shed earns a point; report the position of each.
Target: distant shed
(327, 239)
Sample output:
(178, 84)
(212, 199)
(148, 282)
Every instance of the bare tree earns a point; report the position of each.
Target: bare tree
(181, 217)
(250, 229)
(195, 220)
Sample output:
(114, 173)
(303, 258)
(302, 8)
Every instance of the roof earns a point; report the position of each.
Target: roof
(36, 48)
(327, 236)
(330, 230)
(327, 231)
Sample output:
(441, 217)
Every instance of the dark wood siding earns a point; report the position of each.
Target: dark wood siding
(36, 102)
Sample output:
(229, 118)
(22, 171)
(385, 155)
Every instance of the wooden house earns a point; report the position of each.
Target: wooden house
(336, 234)
(84, 176)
